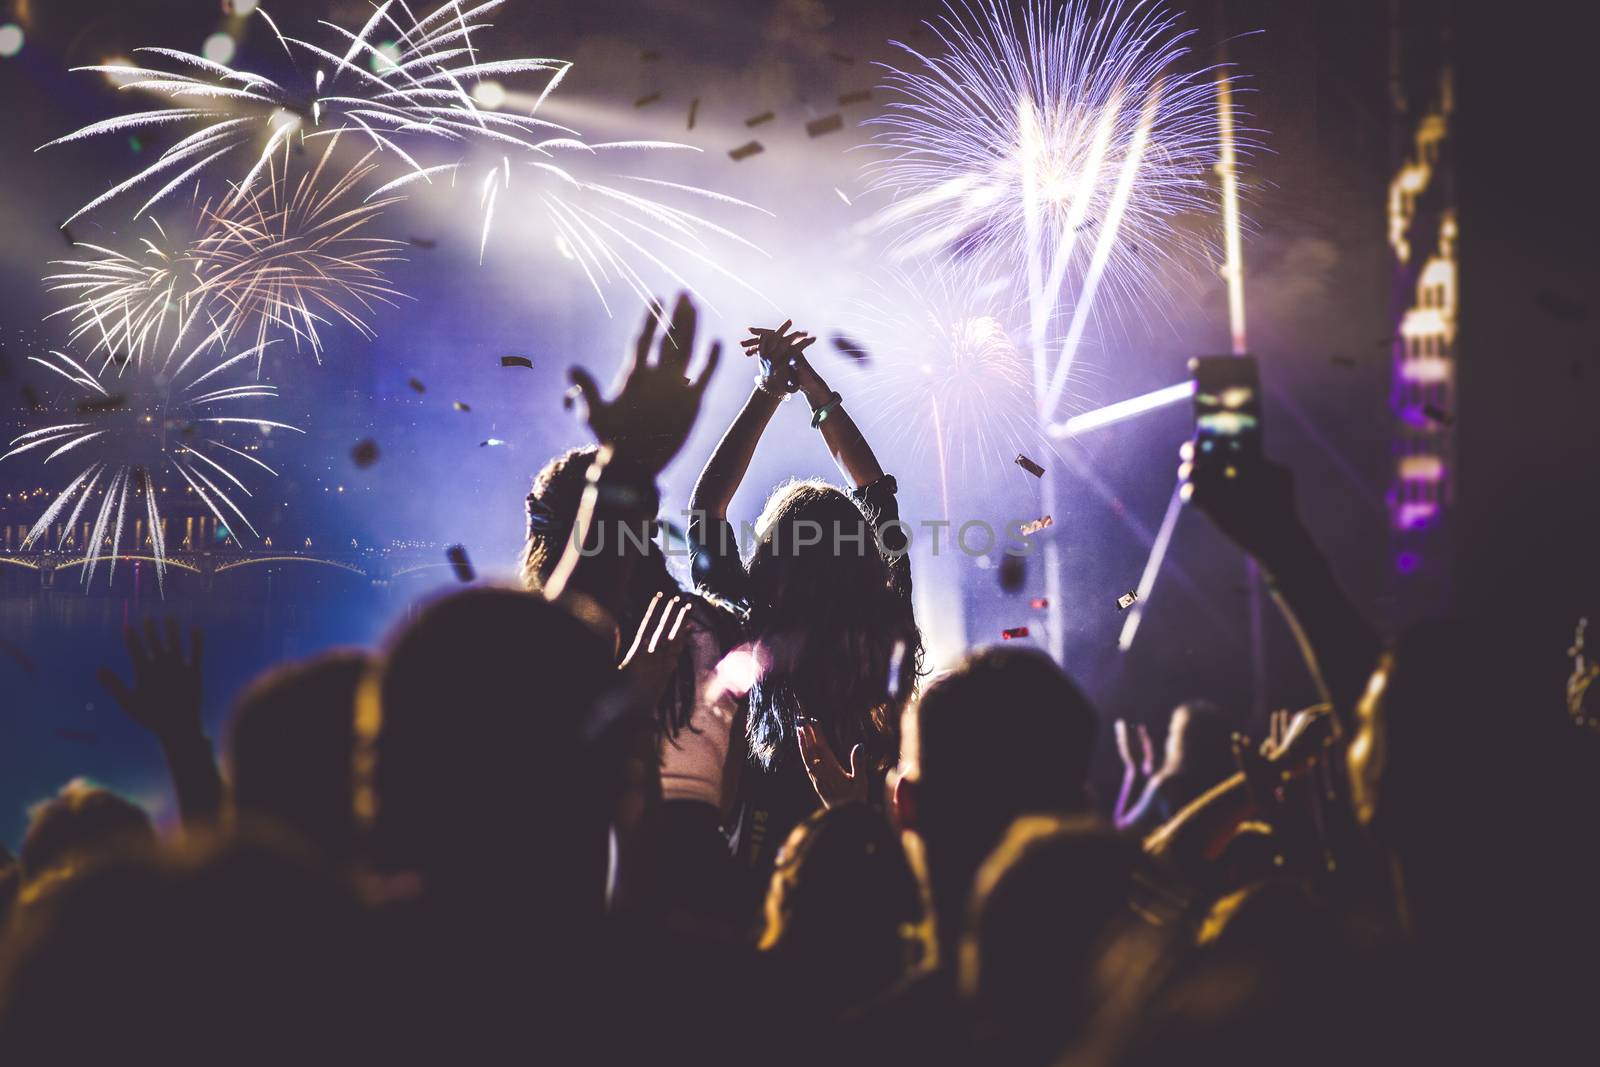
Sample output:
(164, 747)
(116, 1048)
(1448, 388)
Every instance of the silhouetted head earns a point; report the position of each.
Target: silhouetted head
(80, 825)
(1045, 903)
(1004, 734)
(842, 905)
(475, 764)
(827, 621)
(552, 509)
(290, 748)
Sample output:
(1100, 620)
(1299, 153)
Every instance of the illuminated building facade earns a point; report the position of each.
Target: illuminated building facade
(1422, 244)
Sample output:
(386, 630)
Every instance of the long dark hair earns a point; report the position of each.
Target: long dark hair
(829, 621)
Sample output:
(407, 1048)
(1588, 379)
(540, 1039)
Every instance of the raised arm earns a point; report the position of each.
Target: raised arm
(165, 699)
(839, 431)
(725, 470)
(639, 432)
(1256, 510)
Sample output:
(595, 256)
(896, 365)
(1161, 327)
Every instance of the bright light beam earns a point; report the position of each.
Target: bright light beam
(1122, 409)
(1233, 268)
(1102, 251)
(1152, 567)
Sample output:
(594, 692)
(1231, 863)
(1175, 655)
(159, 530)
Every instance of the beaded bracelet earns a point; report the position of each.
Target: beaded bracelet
(819, 415)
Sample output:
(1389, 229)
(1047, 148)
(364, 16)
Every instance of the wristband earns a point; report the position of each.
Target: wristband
(821, 414)
(772, 390)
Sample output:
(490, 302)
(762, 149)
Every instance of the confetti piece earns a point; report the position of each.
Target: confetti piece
(490, 443)
(570, 398)
(826, 124)
(516, 361)
(859, 96)
(365, 453)
(422, 242)
(650, 55)
(1029, 465)
(1038, 603)
(459, 406)
(114, 402)
(1013, 633)
(757, 120)
(840, 57)
(1438, 414)
(1125, 601)
(647, 99)
(746, 150)
(1038, 524)
(1013, 573)
(416, 386)
(840, 191)
(850, 347)
(457, 555)
(694, 109)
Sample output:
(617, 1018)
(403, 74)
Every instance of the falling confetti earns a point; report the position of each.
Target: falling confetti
(694, 109)
(422, 242)
(826, 124)
(1038, 603)
(1029, 529)
(490, 443)
(850, 347)
(516, 361)
(416, 386)
(1030, 466)
(647, 99)
(459, 406)
(746, 150)
(1013, 633)
(570, 398)
(1438, 415)
(1126, 600)
(859, 96)
(757, 120)
(840, 191)
(459, 563)
(365, 453)
(1013, 573)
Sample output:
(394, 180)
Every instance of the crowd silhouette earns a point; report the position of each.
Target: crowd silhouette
(604, 817)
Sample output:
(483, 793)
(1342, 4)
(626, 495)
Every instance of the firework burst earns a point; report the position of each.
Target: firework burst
(293, 255)
(139, 436)
(1068, 142)
(411, 97)
(945, 371)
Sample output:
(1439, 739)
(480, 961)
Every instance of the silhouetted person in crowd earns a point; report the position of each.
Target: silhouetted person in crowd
(1004, 734)
(79, 826)
(226, 952)
(1046, 903)
(843, 910)
(825, 600)
(290, 749)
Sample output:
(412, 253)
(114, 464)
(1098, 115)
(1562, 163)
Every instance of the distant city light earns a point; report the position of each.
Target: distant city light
(10, 40)
(219, 48)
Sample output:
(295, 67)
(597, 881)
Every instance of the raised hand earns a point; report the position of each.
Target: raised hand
(165, 695)
(1254, 508)
(1145, 766)
(656, 402)
(834, 784)
(779, 352)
